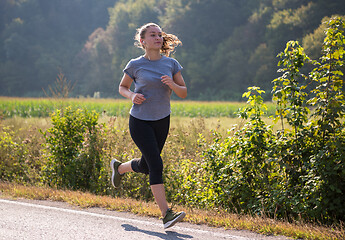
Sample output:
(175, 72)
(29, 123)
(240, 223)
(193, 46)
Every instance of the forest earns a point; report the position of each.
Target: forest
(228, 45)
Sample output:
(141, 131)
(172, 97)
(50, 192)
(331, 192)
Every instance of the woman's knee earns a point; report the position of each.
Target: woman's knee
(156, 168)
(156, 178)
(139, 165)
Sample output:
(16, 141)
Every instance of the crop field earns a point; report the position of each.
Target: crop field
(42, 107)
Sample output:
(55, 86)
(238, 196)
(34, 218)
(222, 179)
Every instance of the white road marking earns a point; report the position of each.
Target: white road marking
(184, 229)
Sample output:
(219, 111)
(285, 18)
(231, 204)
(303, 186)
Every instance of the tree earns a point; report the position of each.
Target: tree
(228, 45)
(39, 37)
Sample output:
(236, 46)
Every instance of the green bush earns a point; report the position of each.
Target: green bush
(295, 172)
(235, 174)
(19, 153)
(12, 158)
(74, 150)
(327, 127)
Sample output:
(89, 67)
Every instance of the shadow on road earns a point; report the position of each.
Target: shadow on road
(169, 235)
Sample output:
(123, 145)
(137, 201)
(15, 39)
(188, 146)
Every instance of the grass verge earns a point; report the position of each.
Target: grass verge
(260, 225)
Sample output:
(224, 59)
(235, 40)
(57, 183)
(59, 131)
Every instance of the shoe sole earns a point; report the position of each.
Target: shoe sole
(174, 221)
(113, 172)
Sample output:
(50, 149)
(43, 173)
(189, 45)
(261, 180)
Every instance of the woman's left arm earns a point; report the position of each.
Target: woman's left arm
(176, 84)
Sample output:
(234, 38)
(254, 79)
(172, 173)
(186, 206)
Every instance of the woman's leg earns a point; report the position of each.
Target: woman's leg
(125, 167)
(161, 131)
(144, 136)
(158, 192)
(150, 137)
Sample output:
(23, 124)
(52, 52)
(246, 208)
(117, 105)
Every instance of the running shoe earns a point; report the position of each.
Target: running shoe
(116, 176)
(171, 218)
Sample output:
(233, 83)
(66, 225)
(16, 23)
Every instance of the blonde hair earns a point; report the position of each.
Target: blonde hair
(170, 41)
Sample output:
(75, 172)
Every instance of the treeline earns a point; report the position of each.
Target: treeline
(228, 45)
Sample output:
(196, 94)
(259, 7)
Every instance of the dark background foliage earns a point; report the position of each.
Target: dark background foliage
(228, 45)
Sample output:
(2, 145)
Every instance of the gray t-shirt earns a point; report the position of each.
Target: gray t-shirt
(147, 81)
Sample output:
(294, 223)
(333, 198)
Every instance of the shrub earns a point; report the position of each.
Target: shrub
(236, 172)
(295, 172)
(328, 162)
(74, 150)
(11, 157)
(19, 153)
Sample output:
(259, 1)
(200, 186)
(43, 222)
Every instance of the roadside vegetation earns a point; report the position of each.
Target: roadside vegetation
(289, 171)
(214, 218)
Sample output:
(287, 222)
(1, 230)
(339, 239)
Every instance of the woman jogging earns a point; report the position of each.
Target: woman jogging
(155, 76)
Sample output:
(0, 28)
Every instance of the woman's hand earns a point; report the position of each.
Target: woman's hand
(168, 81)
(176, 84)
(137, 98)
(124, 90)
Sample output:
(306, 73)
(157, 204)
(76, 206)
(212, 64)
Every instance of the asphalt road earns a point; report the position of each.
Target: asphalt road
(32, 220)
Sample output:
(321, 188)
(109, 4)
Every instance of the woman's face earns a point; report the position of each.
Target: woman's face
(153, 38)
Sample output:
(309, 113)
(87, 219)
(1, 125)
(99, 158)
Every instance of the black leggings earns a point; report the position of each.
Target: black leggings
(150, 138)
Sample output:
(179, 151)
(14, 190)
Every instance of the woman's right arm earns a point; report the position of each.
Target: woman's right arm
(124, 90)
